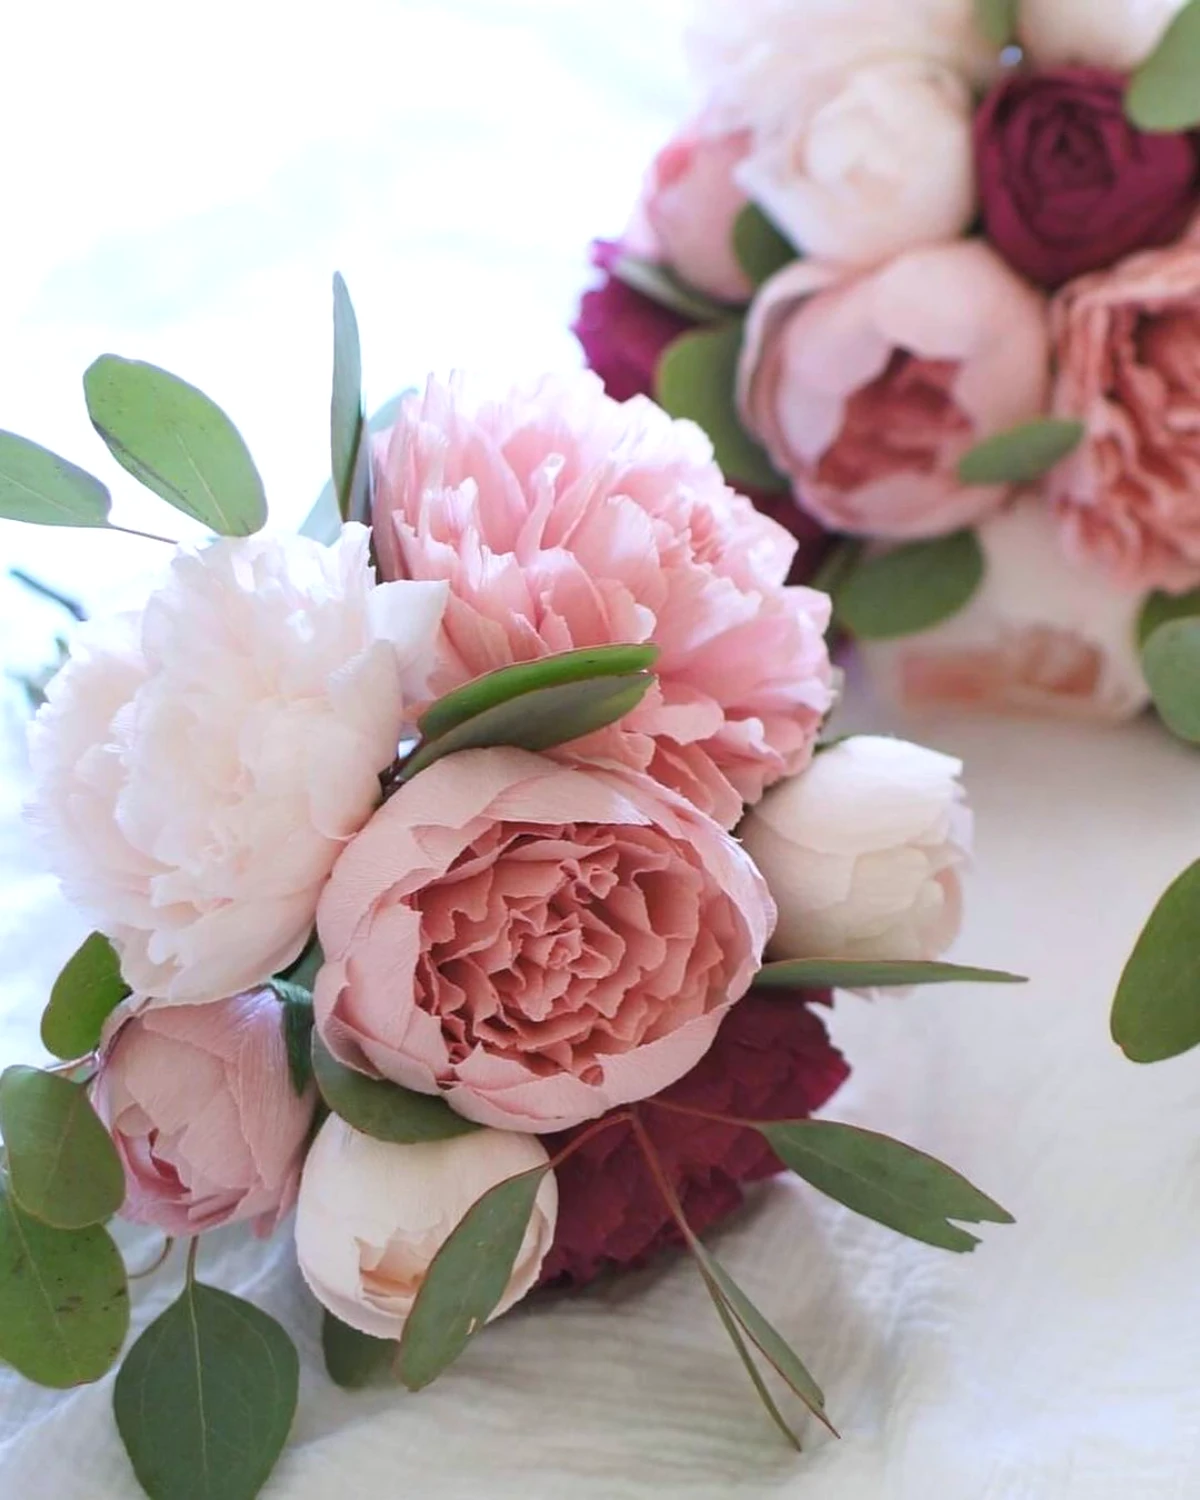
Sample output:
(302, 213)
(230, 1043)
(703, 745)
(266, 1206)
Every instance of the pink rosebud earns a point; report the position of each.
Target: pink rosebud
(537, 943)
(868, 391)
(201, 1107)
(691, 200)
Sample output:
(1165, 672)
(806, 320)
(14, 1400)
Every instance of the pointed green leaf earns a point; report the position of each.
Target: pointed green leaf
(911, 588)
(997, 19)
(466, 1279)
(1157, 1010)
(297, 1019)
(381, 1109)
(345, 407)
(885, 1180)
(177, 442)
(697, 379)
(62, 1165)
(548, 671)
(538, 720)
(760, 248)
(85, 994)
(353, 1359)
(730, 1324)
(1171, 662)
(661, 286)
(40, 487)
(1161, 608)
(64, 1299)
(869, 974)
(205, 1398)
(324, 522)
(1022, 454)
(1164, 93)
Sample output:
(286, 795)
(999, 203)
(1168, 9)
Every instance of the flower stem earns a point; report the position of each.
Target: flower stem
(159, 1261)
(622, 1117)
(147, 536)
(193, 1250)
(704, 1114)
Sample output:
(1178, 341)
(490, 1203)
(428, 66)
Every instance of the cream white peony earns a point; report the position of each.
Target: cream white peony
(1118, 34)
(200, 765)
(372, 1215)
(863, 852)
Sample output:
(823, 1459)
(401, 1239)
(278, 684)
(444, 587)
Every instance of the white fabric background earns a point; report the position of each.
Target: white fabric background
(183, 195)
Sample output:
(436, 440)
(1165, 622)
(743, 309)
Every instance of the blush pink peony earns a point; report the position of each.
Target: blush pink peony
(561, 519)
(1127, 343)
(536, 942)
(200, 1104)
(690, 201)
(868, 391)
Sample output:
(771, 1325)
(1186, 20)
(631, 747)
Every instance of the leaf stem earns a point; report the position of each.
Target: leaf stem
(148, 536)
(64, 601)
(704, 1114)
(159, 1261)
(193, 1251)
(622, 1117)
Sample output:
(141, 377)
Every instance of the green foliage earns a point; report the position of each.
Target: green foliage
(1023, 454)
(353, 1359)
(661, 286)
(1164, 93)
(62, 1166)
(1157, 1010)
(1171, 662)
(84, 995)
(40, 487)
(346, 418)
(381, 1109)
(869, 974)
(759, 247)
(911, 588)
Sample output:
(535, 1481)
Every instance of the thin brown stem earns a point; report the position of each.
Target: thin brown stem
(157, 1263)
(620, 1118)
(704, 1114)
(147, 536)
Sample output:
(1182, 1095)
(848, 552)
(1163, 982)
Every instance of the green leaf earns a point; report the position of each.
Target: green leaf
(884, 1180)
(548, 671)
(345, 408)
(538, 720)
(1164, 93)
(661, 286)
(997, 19)
(62, 1165)
(64, 1299)
(1171, 662)
(85, 994)
(353, 1359)
(732, 1328)
(38, 486)
(297, 1005)
(1160, 609)
(911, 588)
(177, 442)
(324, 522)
(466, 1279)
(381, 1109)
(205, 1399)
(869, 974)
(760, 248)
(1022, 454)
(1157, 1010)
(697, 379)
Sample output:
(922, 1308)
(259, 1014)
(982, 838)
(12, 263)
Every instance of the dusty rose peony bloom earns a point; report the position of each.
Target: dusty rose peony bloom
(690, 201)
(202, 1111)
(1119, 34)
(372, 1215)
(561, 519)
(1043, 636)
(1128, 349)
(199, 766)
(536, 942)
(868, 391)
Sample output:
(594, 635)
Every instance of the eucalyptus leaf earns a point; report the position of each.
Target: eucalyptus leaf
(324, 522)
(1022, 454)
(381, 1109)
(869, 974)
(62, 1165)
(911, 588)
(884, 1180)
(297, 1020)
(659, 285)
(345, 408)
(732, 1328)
(1171, 662)
(205, 1398)
(177, 442)
(40, 487)
(1157, 1010)
(1160, 608)
(1164, 93)
(997, 20)
(466, 1279)
(64, 1299)
(697, 378)
(84, 995)
(306, 968)
(759, 247)
(353, 1359)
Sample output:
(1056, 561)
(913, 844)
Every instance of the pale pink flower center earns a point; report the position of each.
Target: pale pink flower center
(1027, 665)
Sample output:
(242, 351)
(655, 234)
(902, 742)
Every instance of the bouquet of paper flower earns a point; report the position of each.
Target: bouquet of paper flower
(928, 273)
(474, 883)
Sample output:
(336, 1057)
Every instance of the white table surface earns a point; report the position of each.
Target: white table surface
(184, 196)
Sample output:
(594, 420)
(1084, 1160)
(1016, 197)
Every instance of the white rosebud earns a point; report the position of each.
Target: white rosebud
(863, 852)
(372, 1215)
(1118, 34)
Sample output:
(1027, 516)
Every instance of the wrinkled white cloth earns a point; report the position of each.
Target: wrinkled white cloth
(452, 159)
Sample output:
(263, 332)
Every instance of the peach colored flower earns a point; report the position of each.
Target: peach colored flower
(561, 519)
(690, 201)
(202, 1111)
(1128, 348)
(868, 391)
(537, 942)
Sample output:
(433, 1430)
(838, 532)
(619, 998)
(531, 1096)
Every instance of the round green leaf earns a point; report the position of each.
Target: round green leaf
(38, 486)
(1160, 608)
(1171, 662)
(997, 19)
(381, 1109)
(353, 1359)
(64, 1299)
(62, 1165)
(1022, 454)
(85, 994)
(1156, 1014)
(759, 247)
(1164, 93)
(911, 588)
(205, 1398)
(659, 285)
(868, 974)
(697, 379)
(177, 442)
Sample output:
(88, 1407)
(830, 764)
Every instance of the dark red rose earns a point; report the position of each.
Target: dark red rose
(772, 1060)
(1068, 184)
(623, 333)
